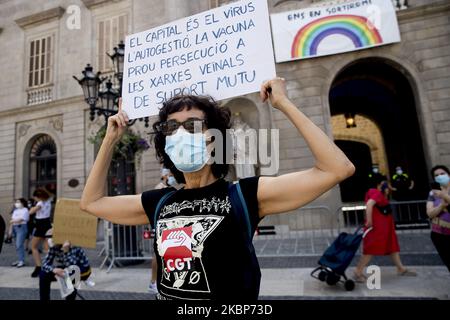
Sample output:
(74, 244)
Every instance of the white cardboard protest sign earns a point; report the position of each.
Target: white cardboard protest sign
(333, 29)
(224, 52)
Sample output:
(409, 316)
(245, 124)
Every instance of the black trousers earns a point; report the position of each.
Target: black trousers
(442, 244)
(45, 280)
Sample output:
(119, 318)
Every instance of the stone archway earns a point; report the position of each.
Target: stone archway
(411, 74)
(376, 89)
(26, 134)
(367, 132)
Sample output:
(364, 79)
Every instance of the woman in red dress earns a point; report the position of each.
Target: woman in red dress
(382, 239)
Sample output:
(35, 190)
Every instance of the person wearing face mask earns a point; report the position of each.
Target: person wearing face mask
(381, 240)
(167, 179)
(438, 212)
(18, 222)
(374, 174)
(401, 185)
(203, 231)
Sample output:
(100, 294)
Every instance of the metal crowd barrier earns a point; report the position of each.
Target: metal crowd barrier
(408, 216)
(308, 231)
(411, 223)
(305, 232)
(126, 243)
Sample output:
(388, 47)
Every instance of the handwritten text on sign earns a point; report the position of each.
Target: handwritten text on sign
(224, 52)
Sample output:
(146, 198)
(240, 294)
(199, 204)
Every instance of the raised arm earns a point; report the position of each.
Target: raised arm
(432, 211)
(293, 190)
(34, 209)
(125, 209)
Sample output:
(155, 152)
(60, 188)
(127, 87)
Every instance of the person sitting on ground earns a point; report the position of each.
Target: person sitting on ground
(58, 258)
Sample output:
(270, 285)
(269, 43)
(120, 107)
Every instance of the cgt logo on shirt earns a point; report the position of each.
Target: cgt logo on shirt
(176, 245)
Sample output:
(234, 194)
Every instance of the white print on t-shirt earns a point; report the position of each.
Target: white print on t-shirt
(219, 206)
(180, 243)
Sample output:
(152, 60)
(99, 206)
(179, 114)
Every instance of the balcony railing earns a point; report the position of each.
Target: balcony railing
(39, 95)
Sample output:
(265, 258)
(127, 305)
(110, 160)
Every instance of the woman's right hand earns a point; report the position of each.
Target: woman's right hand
(117, 125)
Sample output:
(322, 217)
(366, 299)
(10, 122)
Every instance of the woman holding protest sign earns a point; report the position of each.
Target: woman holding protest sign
(203, 226)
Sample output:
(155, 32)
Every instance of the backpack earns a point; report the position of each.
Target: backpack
(252, 274)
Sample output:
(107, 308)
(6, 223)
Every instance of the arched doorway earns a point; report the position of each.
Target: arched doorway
(378, 90)
(353, 188)
(42, 165)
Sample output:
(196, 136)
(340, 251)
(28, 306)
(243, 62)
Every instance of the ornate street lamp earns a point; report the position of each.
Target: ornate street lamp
(90, 83)
(109, 98)
(117, 59)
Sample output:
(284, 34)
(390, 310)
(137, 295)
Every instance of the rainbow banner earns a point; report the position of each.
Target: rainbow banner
(333, 29)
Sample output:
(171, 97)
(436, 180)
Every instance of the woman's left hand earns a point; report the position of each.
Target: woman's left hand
(438, 193)
(275, 91)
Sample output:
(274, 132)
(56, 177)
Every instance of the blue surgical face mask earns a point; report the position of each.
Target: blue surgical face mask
(442, 179)
(187, 150)
(171, 181)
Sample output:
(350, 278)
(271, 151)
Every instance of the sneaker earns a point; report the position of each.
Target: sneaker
(8, 240)
(152, 288)
(89, 283)
(36, 271)
(14, 264)
(20, 264)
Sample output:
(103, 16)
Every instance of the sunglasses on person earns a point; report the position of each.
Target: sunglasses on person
(168, 127)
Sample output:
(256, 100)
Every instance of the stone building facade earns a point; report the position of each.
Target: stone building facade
(42, 107)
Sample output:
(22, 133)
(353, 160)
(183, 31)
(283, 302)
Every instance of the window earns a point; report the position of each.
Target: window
(110, 32)
(42, 164)
(40, 61)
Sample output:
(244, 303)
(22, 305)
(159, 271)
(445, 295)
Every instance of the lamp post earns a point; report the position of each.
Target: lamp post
(109, 102)
(105, 102)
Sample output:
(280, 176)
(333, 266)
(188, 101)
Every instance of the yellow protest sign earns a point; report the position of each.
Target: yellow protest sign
(73, 224)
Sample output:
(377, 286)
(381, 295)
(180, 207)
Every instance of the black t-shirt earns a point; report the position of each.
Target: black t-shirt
(401, 182)
(198, 244)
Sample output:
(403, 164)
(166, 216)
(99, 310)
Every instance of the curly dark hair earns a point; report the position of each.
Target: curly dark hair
(216, 118)
(376, 180)
(41, 194)
(439, 167)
